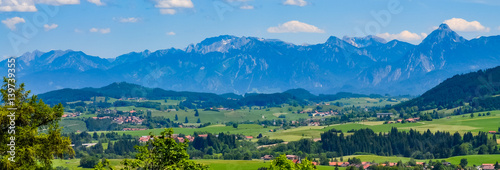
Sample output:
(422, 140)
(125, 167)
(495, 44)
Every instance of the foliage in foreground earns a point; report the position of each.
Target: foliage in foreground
(34, 149)
(160, 152)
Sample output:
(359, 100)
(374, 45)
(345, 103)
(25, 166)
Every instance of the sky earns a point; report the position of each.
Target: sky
(109, 28)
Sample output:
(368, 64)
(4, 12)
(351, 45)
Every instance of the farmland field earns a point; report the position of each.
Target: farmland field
(255, 164)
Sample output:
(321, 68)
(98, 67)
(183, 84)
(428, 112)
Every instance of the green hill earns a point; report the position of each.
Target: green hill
(477, 88)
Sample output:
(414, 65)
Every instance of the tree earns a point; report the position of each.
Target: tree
(89, 161)
(163, 152)
(196, 113)
(176, 118)
(235, 125)
(282, 163)
(199, 121)
(186, 120)
(79, 109)
(472, 115)
(463, 162)
(34, 148)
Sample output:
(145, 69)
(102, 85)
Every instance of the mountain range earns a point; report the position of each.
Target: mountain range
(230, 64)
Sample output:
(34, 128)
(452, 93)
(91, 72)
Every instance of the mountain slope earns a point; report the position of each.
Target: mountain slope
(459, 89)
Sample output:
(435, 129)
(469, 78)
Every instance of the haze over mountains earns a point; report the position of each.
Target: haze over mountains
(247, 64)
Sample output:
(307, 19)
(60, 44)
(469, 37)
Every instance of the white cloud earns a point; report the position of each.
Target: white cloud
(17, 5)
(29, 5)
(168, 11)
(12, 22)
(48, 27)
(498, 28)
(295, 2)
(57, 2)
(130, 19)
(403, 36)
(246, 7)
(174, 4)
(101, 30)
(294, 27)
(167, 6)
(97, 2)
(78, 30)
(459, 24)
(171, 33)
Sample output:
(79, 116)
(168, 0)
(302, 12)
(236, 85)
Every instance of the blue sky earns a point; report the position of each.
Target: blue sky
(108, 28)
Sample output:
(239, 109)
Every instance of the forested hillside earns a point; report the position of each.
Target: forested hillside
(477, 88)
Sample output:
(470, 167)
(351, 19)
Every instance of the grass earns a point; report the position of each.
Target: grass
(72, 125)
(453, 124)
(367, 102)
(231, 115)
(256, 163)
(246, 129)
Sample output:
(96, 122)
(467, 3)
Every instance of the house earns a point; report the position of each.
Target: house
(379, 115)
(144, 139)
(314, 124)
(488, 166)
(335, 163)
(296, 161)
(180, 139)
(292, 157)
(249, 137)
(492, 132)
(267, 157)
(447, 163)
(366, 166)
(392, 164)
(203, 135)
(314, 163)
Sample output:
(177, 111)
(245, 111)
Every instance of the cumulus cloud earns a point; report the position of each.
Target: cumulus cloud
(459, 24)
(295, 2)
(127, 20)
(169, 6)
(246, 7)
(12, 22)
(29, 5)
(101, 30)
(171, 33)
(174, 4)
(403, 36)
(48, 27)
(294, 27)
(97, 2)
(57, 2)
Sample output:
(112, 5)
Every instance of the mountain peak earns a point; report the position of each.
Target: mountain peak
(443, 34)
(444, 26)
(361, 42)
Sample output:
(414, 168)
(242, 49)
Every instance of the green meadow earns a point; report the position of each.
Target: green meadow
(216, 164)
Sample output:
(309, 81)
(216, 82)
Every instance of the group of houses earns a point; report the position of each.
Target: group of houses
(128, 119)
(323, 114)
(174, 136)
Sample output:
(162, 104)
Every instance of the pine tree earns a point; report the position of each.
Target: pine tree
(196, 113)
(176, 118)
(199, 121)
(186, 120)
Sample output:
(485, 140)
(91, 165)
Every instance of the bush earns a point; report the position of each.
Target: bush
(88, 161)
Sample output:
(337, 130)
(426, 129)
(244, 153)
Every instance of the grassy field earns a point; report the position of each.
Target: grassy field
(255, 164)
(452, 124)
(72, 125)
(367, 102)
(246, 129)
